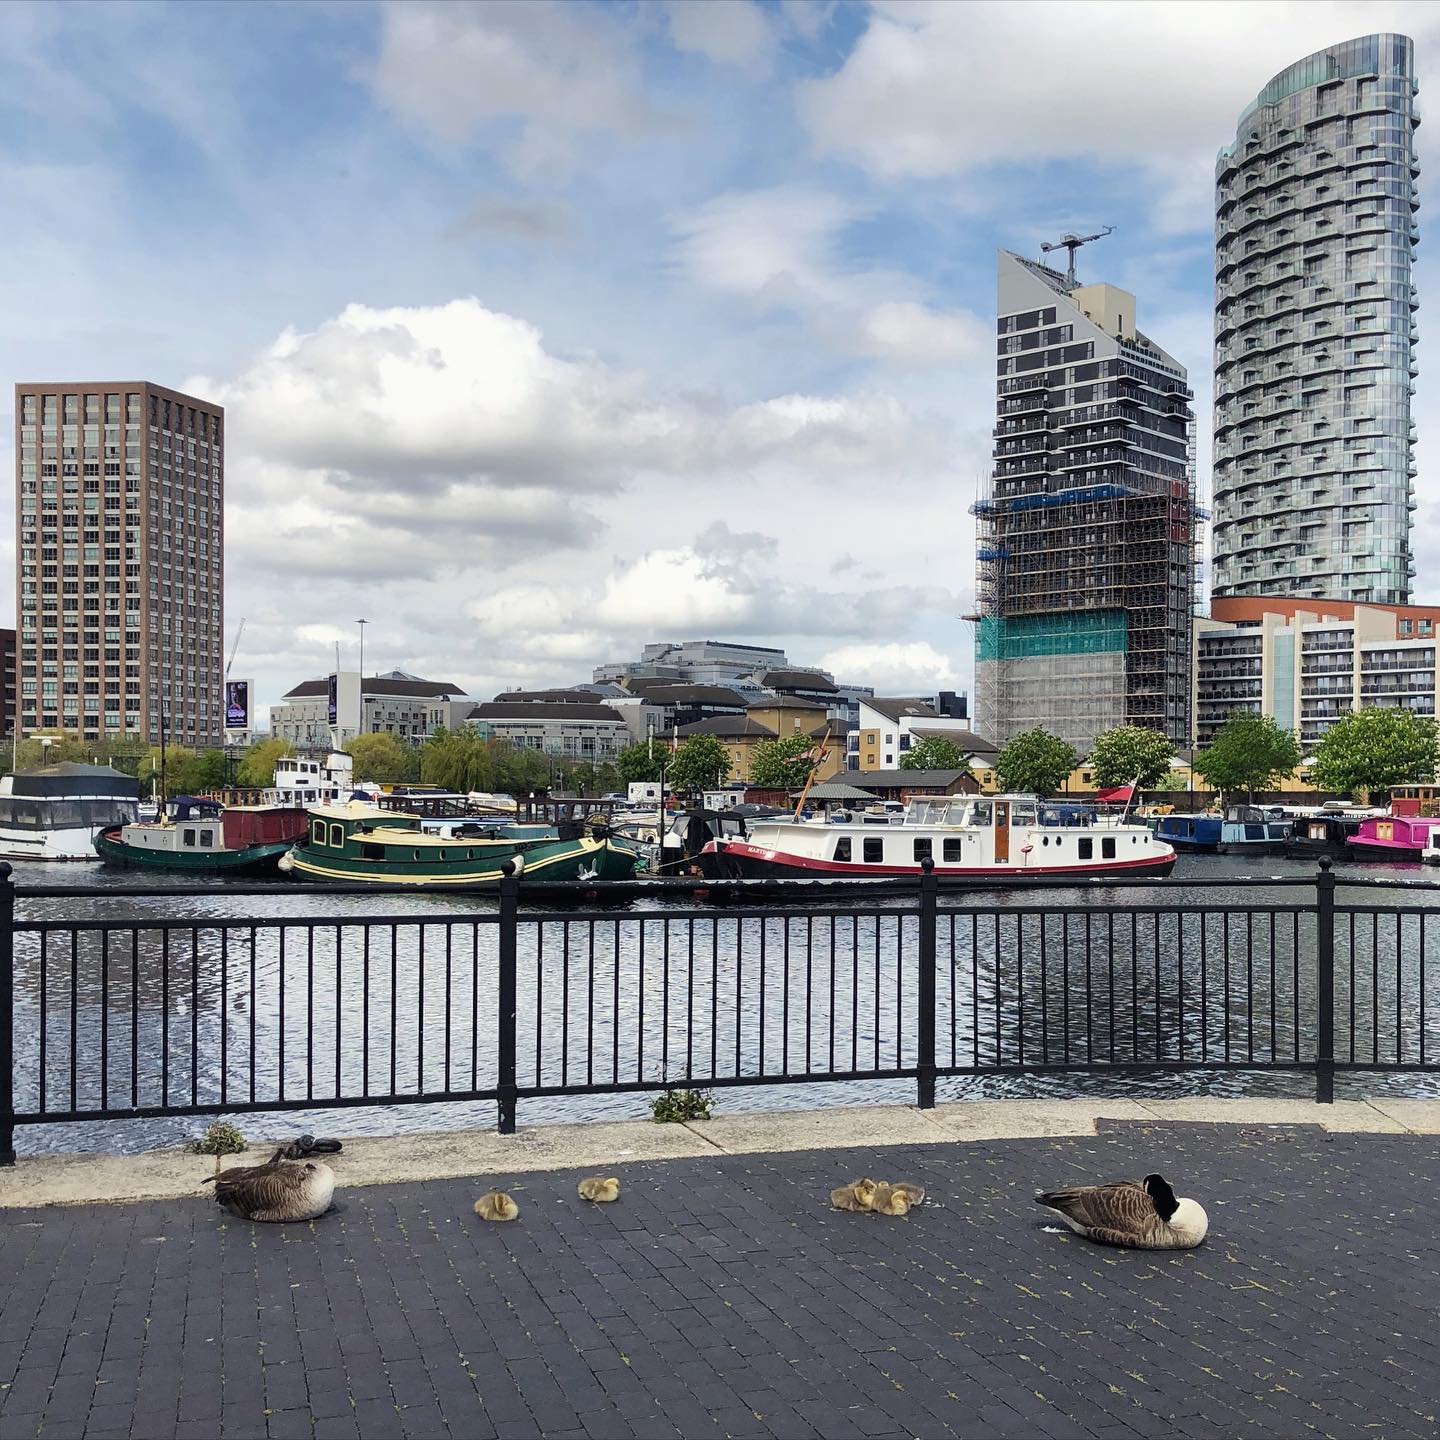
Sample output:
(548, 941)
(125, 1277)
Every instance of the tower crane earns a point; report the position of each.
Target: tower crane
(1072, 243)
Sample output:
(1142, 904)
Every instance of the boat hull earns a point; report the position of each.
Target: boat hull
(1395, 854)
(735, 859)
(71, 844)
(548, 861)
(252, 860)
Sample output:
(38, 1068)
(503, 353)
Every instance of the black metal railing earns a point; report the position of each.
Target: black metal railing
(125, 1005)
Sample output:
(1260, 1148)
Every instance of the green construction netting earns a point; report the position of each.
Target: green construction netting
(1079, 632)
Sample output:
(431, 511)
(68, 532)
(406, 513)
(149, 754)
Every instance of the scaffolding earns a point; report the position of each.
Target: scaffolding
(1084, 591)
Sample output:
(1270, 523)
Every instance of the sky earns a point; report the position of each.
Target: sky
(545, 331)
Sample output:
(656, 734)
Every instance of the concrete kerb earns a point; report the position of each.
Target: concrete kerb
(82, 1179)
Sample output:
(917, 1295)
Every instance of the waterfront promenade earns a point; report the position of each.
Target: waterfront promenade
(722, 1296)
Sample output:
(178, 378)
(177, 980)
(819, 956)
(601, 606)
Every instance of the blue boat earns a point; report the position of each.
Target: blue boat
(1242, 830)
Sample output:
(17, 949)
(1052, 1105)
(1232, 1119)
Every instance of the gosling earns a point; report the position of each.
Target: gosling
(496, 1205)
(599, 1189)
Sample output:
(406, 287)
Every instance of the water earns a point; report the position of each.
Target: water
(409, 1007)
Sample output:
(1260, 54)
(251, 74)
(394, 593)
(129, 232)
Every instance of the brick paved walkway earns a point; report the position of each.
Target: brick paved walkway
(724, 1298)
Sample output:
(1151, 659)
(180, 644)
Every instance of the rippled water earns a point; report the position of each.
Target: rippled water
(177, 1004)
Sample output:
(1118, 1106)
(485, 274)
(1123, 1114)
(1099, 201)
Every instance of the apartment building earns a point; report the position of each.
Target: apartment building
(1307, 663)
(1315, 303)
(120, 575)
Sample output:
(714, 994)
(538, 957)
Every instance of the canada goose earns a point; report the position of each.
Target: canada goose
(1143, 1214)
(599, 1189)
(496, 1205)
(880, 1198)
(846, 1198)
(280, 1189)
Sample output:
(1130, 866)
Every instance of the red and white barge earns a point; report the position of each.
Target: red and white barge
(969, 838)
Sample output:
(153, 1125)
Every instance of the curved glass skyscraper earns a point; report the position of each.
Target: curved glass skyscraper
(1315, 330)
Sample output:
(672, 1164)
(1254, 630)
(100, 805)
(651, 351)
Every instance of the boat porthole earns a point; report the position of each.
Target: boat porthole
(1044, 839)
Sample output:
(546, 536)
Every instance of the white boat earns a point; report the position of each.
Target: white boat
(967, 837)
(304, 782)
(56, 812)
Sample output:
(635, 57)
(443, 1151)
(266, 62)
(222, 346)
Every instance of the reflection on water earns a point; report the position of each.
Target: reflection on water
(194, 1004)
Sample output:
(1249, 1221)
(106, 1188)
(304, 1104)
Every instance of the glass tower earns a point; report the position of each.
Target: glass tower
(1315, 330)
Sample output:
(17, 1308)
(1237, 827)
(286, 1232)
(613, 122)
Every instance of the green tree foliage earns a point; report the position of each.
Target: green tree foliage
(637, 763)
(1372, 749)
(782, 764)
(934, 752)
(701, 763)
(186, 773)
(257, 764)
(382, 758)
(1247, 753)
(1119, 755)
(459, 760)
(62, 747)
(1036, 762)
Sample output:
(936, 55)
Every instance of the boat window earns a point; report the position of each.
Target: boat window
(955, 814)
(442, 854)
(1022, 814)
(1044, 839)
(372, 852)
(1087, 848)
(1107, 848)
(982, 813)
(414, 854)
(317, 831)
(923, 850)
(953, 847)
(207, 837)
(842, 848)
(874, 849)
(337, 835)
(189, 837)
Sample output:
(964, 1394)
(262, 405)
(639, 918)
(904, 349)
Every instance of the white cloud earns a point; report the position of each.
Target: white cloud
(894, 669)
(729, 32)
(543, 76)
(934, 88)
(780, 249)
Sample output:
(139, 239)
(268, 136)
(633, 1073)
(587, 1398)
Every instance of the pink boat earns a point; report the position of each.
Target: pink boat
(1393, 837)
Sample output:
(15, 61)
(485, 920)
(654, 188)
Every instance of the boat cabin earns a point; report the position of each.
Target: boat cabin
(68, 796)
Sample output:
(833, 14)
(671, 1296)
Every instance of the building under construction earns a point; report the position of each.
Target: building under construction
(1087, 537)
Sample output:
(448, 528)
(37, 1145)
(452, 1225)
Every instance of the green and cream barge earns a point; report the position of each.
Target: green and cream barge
(360, 844)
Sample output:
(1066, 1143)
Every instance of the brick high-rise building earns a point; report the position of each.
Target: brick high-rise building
(119, 498)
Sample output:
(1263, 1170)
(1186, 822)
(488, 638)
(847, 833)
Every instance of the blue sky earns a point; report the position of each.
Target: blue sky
(546, 330)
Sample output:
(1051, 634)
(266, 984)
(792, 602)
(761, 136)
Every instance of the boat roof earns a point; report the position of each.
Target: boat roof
(359, 810)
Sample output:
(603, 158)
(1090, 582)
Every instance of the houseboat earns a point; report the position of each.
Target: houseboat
(304, 782)
(55, 812)
(1326, 831)
(1240, 830)
(363, 844)
(200, 837)
(968, 838)
(1393, 837)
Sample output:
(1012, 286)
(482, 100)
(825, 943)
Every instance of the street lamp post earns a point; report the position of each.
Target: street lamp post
(362, 624)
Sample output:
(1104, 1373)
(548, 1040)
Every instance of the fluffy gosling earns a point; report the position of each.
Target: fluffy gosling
(599, 1189)
(496, 1205)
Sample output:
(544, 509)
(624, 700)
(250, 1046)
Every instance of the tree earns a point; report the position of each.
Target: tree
(1247, 753)
(1036, 762)
(380, 756)
(1375, 748)
(935, 752)
(636, 763)
(783, 764)
(1127, 751)
(257, 764)
(701, 763)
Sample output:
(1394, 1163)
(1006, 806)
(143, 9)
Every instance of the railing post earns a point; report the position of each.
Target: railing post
(925, 1073)
(505, 1019)
(1325, 961)
(7, 1015)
